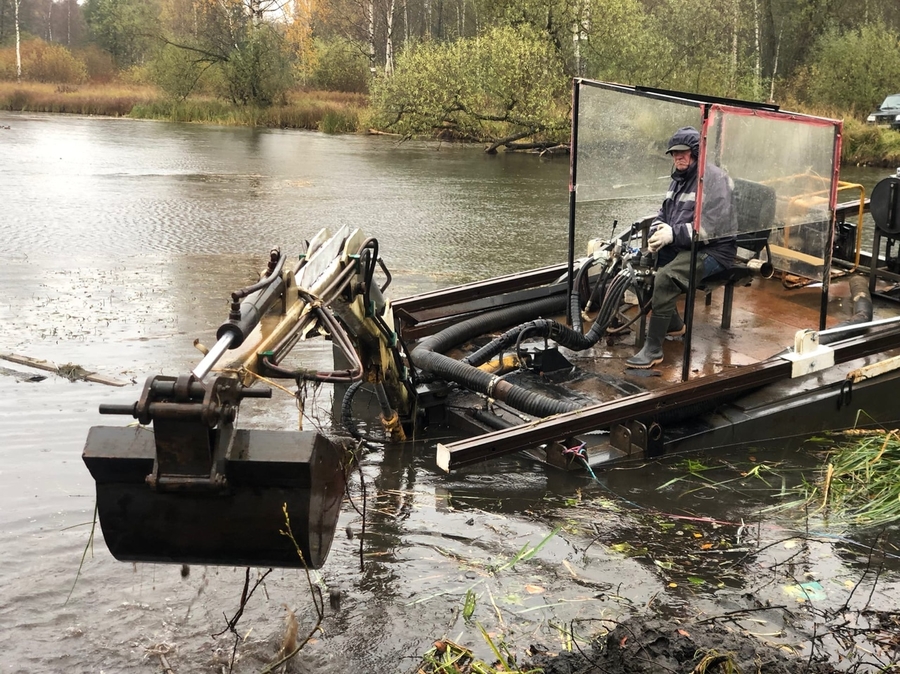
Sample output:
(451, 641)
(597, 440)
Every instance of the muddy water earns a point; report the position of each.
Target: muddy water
(122, 241)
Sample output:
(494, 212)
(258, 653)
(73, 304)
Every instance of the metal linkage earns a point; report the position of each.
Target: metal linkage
(193, 428)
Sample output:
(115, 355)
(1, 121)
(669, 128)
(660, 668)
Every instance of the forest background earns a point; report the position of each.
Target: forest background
(491, 71)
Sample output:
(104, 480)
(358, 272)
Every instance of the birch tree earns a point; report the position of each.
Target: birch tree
(18, 46)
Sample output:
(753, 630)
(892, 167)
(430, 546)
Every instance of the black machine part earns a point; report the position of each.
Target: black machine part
(885, 208)
(272, 476)
(197, 490)
(885, 205)
(184, 412)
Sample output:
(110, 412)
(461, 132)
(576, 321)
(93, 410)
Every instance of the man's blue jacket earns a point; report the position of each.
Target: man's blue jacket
(719, 225)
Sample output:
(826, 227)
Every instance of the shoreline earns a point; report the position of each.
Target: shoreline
(326, 111)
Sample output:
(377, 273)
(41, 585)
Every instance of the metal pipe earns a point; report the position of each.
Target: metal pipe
(211, 358)
(860, 326)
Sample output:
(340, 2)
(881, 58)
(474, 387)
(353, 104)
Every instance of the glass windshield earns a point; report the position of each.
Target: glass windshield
(780, 170)
(892, 102)
(764, 176)
(623, 168)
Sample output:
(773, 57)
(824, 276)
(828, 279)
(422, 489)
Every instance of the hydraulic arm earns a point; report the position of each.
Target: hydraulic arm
(187, 485)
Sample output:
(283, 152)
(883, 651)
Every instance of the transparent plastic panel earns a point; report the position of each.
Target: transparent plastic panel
(781, 169)
(623, 171)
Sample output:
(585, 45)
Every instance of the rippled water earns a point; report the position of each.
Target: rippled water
(121, 242)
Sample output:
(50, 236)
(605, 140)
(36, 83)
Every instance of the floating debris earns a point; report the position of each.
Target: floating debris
(22, 376)
(70, 371)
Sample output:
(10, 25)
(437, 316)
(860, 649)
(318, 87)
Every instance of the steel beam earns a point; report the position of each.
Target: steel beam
(463, 293)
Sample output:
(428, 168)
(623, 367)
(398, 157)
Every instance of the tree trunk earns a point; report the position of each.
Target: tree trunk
(734, 47)
(389, 41)
(50, 21)
(775, 65)
(580, 32)
(18, 46)
(757, 80)
(405, 22)
(370, 8)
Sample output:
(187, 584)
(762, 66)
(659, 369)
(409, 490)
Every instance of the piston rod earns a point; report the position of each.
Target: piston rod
(212, 357)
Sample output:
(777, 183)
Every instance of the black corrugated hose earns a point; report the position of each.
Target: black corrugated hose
(427, 355)
(570, 338)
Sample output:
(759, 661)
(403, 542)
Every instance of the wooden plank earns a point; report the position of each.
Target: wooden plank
(781, 251)
(69, 371)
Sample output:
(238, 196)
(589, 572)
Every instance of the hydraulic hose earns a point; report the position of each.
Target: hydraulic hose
(575, 297)
(260, 297)
(570, 338)
(428, 357)
(466, 372)
(349, 422)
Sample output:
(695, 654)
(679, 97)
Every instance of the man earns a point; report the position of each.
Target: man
(670, 239)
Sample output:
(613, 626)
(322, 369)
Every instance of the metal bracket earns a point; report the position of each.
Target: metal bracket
(637, 440)
(808, 355)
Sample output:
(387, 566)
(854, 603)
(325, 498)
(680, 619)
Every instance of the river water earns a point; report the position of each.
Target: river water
(122, 241)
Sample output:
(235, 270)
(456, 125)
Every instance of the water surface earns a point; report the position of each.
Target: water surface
(122, 242)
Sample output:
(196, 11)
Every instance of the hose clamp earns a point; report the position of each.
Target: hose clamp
(491, 384)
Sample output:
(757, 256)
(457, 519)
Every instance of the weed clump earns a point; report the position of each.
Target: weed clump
(860, 483)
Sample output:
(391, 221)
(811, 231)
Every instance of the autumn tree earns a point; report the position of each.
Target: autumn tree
(302, 16)
(504, 86)
(855, 69)
(237, 38)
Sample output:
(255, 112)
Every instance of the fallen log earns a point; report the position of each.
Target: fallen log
(70, 371)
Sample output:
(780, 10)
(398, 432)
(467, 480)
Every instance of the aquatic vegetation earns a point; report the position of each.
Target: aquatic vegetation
(527, 552)
(322, 111)
(109, 100)
(448, 657)
(860, 483)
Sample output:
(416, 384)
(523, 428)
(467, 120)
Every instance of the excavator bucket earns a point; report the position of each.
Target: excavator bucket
(194, 489)
(279, 508)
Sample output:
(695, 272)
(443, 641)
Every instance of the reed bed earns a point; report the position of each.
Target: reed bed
(860, 483)
(316, 111)
(331, 112)
(82, 99)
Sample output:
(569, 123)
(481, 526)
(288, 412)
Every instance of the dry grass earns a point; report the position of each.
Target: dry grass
(312, 114)
(114, 100)
(328, 111)
(858, 483)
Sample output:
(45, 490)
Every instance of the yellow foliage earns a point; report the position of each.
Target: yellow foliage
(299, 35)
(43, 62)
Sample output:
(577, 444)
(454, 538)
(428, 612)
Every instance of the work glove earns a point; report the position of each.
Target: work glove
(662, 236)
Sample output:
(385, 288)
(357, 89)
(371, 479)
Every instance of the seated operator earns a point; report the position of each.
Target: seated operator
(670, 239)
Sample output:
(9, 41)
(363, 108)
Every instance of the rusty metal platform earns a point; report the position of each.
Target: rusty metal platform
(725, 364)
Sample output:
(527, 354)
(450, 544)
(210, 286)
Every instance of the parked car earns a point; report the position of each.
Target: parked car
(888, 113)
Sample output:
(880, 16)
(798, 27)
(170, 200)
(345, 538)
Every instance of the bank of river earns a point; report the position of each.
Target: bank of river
(123, 240)
(332, 112)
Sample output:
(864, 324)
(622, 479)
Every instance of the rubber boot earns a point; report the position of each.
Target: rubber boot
(652, 353)
(676, 326)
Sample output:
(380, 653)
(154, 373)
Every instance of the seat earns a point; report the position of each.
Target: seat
(754, 206)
